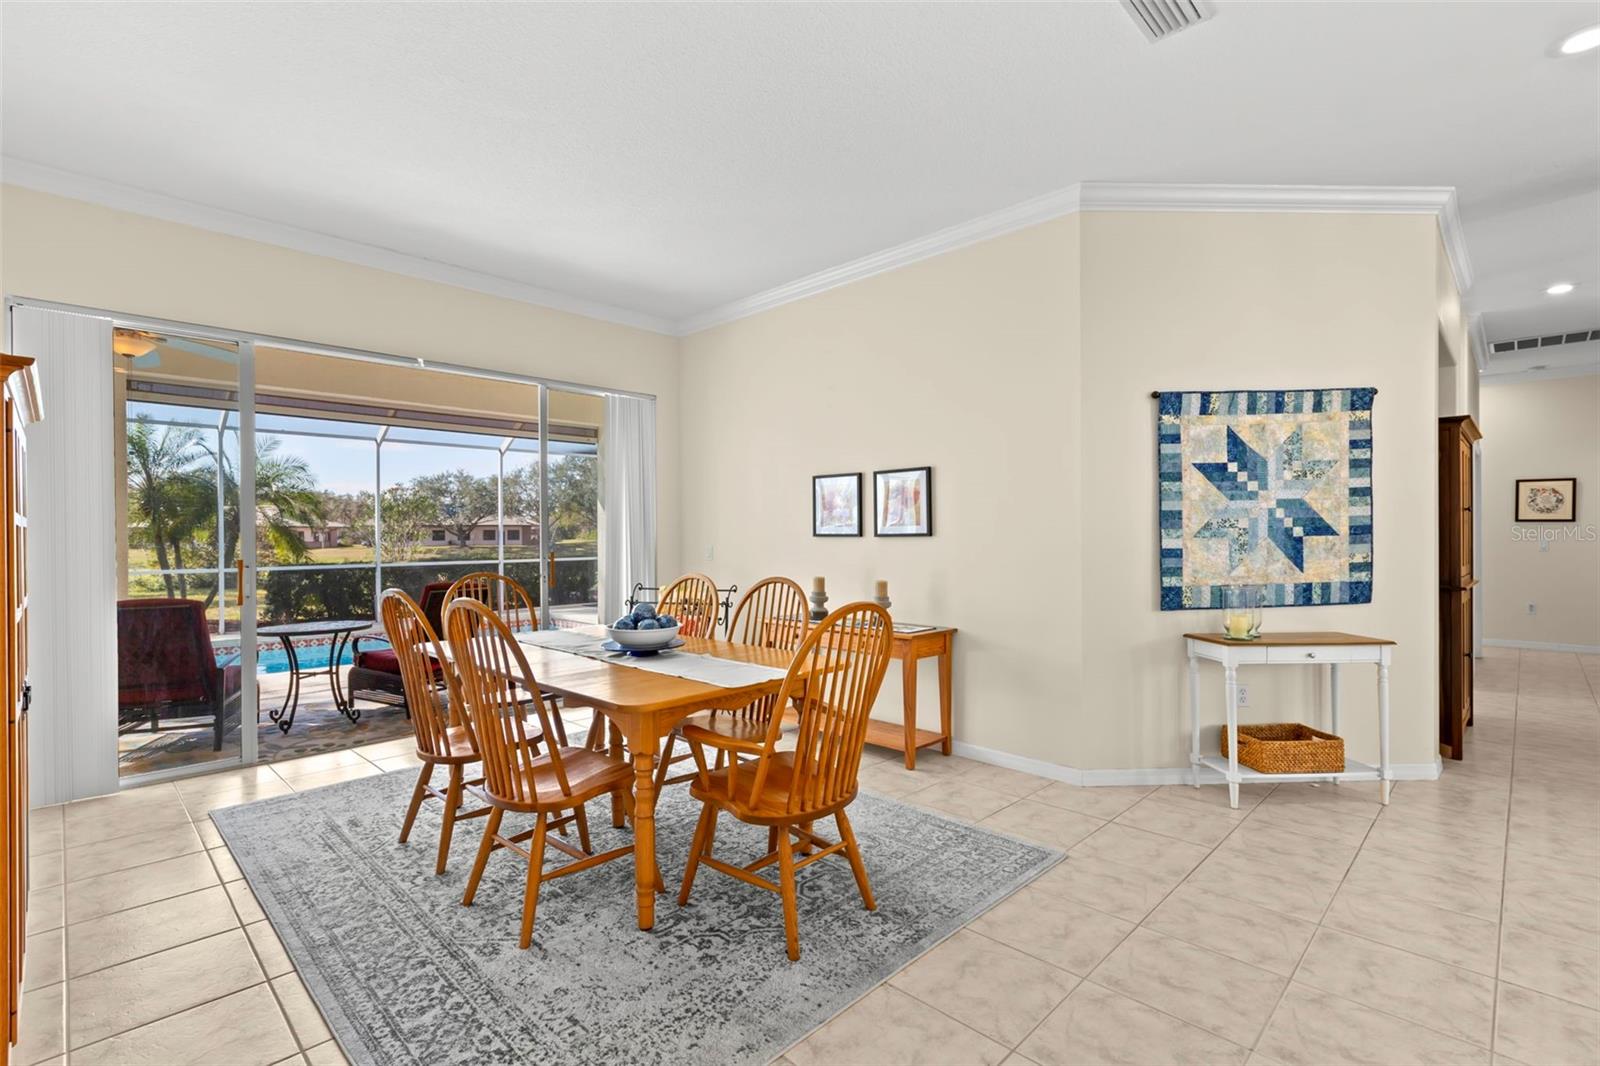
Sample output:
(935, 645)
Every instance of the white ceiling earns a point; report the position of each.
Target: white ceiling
(667, 160)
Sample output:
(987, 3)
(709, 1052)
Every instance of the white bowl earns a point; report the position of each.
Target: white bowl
(644, 639)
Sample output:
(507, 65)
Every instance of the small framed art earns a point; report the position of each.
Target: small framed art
(836, 505)
(1547, 499)
(903, 502)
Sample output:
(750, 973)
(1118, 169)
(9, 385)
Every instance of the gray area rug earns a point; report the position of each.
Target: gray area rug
(405, 974)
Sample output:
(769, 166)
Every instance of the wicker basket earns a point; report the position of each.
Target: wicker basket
(1287, 748)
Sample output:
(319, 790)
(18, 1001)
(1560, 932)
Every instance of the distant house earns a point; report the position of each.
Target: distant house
(520, 529)
(323, 534)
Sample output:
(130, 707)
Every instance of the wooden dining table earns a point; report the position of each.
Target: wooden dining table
(642, 707)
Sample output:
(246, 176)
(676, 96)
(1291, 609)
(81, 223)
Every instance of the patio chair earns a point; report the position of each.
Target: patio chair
(166, 667)
(375, 671)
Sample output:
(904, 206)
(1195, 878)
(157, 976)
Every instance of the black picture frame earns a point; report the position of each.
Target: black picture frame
(878, 529)
(816, 509)
(1517, 514)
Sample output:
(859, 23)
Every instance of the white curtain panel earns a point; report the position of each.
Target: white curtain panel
(72, 750)
(627, 501)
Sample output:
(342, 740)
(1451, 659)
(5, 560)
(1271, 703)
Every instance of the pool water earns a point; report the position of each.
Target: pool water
(273, 660)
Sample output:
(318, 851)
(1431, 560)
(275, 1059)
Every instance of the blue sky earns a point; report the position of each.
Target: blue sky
(345, 464)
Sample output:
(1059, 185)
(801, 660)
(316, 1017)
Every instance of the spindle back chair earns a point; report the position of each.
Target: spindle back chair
(692, 600)
(432, 691)
(833, 680)
(771, 614)
(553, 786)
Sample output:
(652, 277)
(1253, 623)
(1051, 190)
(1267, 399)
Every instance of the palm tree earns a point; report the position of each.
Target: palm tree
(165, 492)
(286, 496)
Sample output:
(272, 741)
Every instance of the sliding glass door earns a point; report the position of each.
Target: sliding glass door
(185, 684)
(571, 511)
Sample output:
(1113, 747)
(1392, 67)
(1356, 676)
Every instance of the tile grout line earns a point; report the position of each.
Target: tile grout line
(158, 951)
(1505, 861)
(1088, 978)
(272, 989)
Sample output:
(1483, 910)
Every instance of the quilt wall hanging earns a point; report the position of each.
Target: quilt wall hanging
(1268, 489)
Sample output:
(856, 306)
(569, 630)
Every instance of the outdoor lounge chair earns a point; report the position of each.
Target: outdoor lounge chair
(375, 669)
(167, 668)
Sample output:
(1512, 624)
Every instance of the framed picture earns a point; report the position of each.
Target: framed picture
(836, 505)
(903, 502)
(1547, 499)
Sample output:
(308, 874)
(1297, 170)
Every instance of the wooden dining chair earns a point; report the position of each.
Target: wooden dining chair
(692, 600)
(834, 679)
(771, 614)
(552, 786)
(504, 594)
(433, 694)
(511, 602)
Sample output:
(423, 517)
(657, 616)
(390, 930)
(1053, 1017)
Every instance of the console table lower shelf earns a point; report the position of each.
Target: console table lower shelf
(1285, 649)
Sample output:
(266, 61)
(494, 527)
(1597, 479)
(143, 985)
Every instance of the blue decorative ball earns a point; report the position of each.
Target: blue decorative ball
(648, 623)
(625, 622)
(666, 621)
(643, 611)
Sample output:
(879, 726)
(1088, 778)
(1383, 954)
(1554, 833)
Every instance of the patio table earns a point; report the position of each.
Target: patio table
(341, 632)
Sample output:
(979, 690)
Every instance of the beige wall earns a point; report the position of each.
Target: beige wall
(53, 248)
(1021, 370)
(1195, 301)
(966, 363)
(1530, 430)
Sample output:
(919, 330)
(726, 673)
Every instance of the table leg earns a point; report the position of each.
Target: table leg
(908, 685)
(945, 695)
(1231, 684)
(1194, 720)
(284, 715)
(1333, 701)
(614, 749)
(1383, 728)
(645, 875)
(335, 653)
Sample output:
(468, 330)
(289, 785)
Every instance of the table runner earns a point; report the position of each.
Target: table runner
(707, 669)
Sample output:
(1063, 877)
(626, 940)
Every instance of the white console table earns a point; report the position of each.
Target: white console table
(1285, 649)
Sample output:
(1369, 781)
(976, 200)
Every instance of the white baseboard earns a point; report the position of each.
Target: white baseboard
(1539, 645)
(1151, 775)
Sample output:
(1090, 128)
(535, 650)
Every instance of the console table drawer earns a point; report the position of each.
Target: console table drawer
(1323, 653)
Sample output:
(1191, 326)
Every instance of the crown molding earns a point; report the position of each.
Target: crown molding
(985, 227)
(1439, 201)
(218, 220)
(1089, 196)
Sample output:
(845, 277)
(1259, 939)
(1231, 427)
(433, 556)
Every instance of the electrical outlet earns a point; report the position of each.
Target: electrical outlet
(1244, 695)
(710, 552)
(1533, 608)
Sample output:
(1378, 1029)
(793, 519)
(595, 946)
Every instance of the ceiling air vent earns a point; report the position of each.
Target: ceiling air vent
(1546, 342)
(1160, 19)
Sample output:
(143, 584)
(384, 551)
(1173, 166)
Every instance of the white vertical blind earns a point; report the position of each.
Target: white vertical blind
(72, 567)
(627, 500)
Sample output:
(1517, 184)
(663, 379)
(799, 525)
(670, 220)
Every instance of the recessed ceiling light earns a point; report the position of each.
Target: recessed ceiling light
(1560, 288)
(1583, 41)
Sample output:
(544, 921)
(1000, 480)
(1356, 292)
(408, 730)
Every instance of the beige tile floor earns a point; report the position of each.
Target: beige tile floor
(1460, 924)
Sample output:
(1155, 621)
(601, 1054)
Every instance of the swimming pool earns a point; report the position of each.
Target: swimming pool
(271, 659)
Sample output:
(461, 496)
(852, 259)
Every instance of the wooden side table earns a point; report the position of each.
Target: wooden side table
(910, 648)
(1285, 649)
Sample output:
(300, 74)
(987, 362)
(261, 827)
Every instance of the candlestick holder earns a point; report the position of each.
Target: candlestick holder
(819, 605)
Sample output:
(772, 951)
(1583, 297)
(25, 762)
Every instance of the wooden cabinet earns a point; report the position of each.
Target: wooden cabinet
(1457, 581)
(20, 385)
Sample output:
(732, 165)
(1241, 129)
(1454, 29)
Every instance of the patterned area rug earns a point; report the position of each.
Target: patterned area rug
(405, 974)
